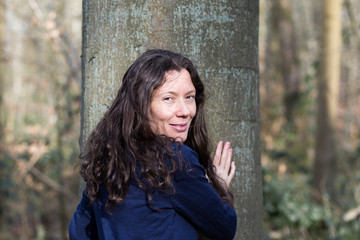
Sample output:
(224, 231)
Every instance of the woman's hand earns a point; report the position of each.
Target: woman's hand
(224, 167)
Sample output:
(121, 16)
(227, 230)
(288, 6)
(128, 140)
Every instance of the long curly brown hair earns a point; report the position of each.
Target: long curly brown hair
(123, 148)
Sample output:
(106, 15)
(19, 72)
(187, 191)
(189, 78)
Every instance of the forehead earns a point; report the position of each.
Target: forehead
(176, 80)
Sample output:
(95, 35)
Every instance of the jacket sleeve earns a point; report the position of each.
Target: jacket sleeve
(83, 223)
(196, 200)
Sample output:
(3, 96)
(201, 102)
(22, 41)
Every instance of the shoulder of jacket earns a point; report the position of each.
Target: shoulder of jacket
(184, 150)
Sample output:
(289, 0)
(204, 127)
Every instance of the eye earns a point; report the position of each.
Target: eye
(168, 99)
(190, 97)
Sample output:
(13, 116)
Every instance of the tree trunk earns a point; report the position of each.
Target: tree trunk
(328, 85)
(221, 38)
(3, 170)
(2, 70)
(288, 57)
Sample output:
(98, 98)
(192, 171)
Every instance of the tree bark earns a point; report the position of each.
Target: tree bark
(221, 38)
(328, 85)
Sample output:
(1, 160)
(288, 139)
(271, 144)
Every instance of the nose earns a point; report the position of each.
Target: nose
(183, 109)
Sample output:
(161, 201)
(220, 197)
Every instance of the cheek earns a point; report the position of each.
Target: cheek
(158, 116)
(161, 115)
(193, 111)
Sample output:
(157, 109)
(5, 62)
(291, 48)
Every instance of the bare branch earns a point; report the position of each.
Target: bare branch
(58, 37)
(52, 184)
(45, 179)
(26, 167)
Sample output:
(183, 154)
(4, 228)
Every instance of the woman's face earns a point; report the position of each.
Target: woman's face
(173, 105)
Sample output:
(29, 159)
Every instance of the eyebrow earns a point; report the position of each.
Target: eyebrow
(174, 93)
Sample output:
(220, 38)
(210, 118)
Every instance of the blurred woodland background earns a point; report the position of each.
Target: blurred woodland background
(40, 96)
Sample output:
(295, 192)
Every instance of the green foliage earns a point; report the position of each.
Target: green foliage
(291, 210)
(288, 203)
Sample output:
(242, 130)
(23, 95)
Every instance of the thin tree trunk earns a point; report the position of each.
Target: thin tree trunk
(2, 107)
(288, 62)
(221, 38)
(2, 70)
(328, 85)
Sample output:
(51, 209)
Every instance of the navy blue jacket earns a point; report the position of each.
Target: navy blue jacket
(194, 206)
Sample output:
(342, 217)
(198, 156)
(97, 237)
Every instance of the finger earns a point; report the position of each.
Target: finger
(217, 156)
(231, 174)
(224, 156)
(228, 160)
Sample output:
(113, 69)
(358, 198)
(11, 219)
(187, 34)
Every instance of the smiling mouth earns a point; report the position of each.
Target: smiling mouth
(179, 127)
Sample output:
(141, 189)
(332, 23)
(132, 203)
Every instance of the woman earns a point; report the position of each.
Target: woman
(147, 168)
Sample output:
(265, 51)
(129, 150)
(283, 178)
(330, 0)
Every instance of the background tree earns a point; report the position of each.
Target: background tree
(221, 38)
(328, 92)
(2, 68)
(2, 107)
(284, 33)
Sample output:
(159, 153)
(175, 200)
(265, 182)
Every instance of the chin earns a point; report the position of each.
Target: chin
(180, 138)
